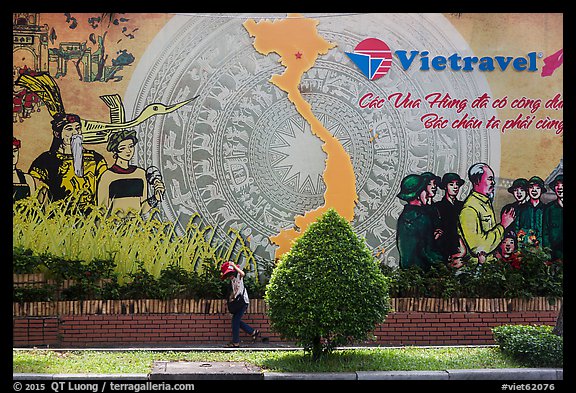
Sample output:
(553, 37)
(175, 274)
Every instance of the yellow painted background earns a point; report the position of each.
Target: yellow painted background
(524, 153)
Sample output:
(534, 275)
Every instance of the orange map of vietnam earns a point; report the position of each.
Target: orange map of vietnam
(297, 42)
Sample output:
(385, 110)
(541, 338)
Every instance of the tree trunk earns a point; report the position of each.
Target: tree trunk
(559, 328)
(77, 63)
(316, 348)
(103, 57)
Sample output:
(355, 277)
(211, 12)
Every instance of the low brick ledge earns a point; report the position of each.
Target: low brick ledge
(259, 306)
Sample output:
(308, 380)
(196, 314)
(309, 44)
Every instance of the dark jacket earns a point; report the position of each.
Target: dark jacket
(518, 207)
(553, 228)
(415, 237)
(530, 218)
(448, 213)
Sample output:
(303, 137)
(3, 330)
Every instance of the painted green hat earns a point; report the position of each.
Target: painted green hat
(520, 182)
(537, 180)
(449, 177)
(411, 186)
(429, 176)
(557, 179)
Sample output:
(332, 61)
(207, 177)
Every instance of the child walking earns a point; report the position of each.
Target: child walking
(230, 270)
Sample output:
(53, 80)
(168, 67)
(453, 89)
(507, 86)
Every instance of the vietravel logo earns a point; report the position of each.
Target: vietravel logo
(373, 58)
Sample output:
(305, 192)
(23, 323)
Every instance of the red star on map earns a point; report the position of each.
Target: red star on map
(298, 55)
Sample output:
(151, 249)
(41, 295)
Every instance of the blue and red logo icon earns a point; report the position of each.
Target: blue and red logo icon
(373, 57)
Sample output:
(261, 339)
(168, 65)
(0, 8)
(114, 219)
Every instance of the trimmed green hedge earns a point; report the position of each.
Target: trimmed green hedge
(328, 289)
(532, 345)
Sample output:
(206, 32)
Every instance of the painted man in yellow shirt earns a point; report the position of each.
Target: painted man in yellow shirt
(477, 221)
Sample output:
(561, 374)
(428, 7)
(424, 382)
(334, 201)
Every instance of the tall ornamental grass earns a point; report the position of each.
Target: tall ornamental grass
(60, 229)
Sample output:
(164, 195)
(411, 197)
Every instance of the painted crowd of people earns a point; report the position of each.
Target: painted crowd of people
(455, 231)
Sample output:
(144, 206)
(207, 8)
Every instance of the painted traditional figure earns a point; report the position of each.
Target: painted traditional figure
(530, 217)
(519, 189)
(448, 209)
(125, 186)
(553, 221)
(67, 168)
(415, 235)
(23, 184)
(93, 132)
(23, 101)
(477, 221)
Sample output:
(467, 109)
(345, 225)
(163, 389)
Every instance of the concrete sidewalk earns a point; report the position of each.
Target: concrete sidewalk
(242, 371)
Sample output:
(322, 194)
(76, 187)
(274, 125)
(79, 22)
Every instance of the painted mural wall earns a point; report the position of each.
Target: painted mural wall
(422, 130)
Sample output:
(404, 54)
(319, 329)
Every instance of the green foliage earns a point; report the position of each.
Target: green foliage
(438, 281)
(25, 261)
(62, 268)
(174, 282)
(141, 284)
(532, 345)
(327, 290)
(24, 294)
(131, 256)
(93, 280)
(541, 275)
(536, 276)
(255, 289)
(207, 283)
(98, 279)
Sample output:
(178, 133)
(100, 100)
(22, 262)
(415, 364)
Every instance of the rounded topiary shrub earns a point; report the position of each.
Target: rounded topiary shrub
(328, 290)
(532, 345)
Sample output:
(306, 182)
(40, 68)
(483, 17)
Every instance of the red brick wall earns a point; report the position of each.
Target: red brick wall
(453, 328)
(400, 328)
(35, 331)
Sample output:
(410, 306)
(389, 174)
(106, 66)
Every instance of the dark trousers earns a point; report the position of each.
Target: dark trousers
(238, 323)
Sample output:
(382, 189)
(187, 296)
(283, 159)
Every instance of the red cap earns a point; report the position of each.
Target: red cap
(226, 268)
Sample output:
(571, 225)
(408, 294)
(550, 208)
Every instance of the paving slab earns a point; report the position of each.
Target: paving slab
(271, 376)
(506, 374)
(402, 375)
(170, 370)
